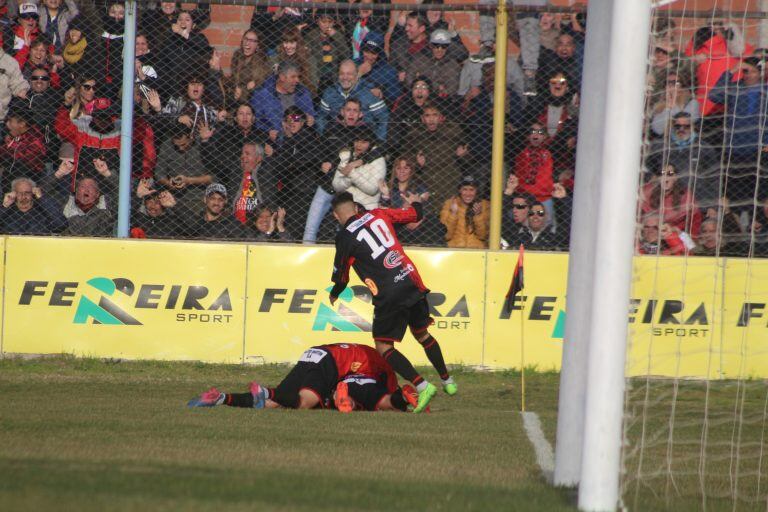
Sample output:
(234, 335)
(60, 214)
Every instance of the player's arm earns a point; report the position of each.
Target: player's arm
(341, 263)
(407, 215)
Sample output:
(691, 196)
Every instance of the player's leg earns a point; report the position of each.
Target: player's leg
(370, 394)
(308, 399)
(389, 326)
(256, 398)
(419, 322)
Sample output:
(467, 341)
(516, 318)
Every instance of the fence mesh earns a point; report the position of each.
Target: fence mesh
(250, 137)
(248, 120)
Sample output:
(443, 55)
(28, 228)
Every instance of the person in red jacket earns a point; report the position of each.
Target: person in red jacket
(533, 168)
(23, 151)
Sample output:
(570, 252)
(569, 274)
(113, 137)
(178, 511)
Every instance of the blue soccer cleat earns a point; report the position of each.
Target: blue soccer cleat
(260, 395)
(210, 398)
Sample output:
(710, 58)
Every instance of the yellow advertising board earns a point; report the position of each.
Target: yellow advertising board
(675, 317)
(125, 298)
(688, 317)
(532, 333)
(745, 319)
(288, 307)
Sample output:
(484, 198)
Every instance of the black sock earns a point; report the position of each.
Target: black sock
(239, 400)
(398, 401)
(402, 366)
(435, 355)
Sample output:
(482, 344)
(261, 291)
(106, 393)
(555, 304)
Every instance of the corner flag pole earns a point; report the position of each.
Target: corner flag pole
(514, 288)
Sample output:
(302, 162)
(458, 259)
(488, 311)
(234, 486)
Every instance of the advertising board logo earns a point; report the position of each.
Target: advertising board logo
(102, 300)
(349, 317)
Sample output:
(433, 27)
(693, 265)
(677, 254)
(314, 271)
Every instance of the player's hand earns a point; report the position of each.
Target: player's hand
(332, 299)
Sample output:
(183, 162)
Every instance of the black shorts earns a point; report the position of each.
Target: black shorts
(366, 391)
(315, 371)
(391, 321)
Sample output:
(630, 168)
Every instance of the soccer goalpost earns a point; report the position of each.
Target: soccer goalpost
(663, 399)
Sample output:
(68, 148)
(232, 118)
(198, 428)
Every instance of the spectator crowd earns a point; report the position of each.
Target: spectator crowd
(375, 102)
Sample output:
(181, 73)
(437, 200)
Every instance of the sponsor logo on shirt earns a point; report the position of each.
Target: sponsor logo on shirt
(393, 259)
(404, 273)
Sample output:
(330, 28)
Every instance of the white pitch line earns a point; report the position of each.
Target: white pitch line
(544, 456)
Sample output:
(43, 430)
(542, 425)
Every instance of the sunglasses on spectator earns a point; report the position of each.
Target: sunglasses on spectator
(89, 87)
(557, 81)
(41, 78)
(421, 86)
(538, 131)
(519, 206)
(537, 213)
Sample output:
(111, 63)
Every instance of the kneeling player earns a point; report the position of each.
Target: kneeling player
(312, 381)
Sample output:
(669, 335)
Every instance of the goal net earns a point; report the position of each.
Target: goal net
(696, 398)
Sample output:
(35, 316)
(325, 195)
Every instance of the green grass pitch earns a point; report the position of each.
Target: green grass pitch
(86, 434)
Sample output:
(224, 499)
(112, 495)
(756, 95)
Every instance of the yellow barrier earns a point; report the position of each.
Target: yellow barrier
(233, 302)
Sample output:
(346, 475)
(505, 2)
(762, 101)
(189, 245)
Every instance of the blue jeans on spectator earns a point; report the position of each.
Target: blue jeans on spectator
(321, 205)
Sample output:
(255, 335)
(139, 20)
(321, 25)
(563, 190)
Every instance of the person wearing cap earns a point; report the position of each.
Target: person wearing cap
(442, 70)
(276, 94)
(26, 29)
(466, 217)
(375, 111)
(55, 16)
(28, 211)
(361, 23)
(180, 168)
(23, 151)
(295, 159)
(216, 221)
(374, 70)
(327, 48)
(355, 176)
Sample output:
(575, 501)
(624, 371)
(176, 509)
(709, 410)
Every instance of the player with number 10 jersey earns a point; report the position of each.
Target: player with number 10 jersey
(367, 242)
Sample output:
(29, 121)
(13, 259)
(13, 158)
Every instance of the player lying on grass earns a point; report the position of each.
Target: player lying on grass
(346, 376)
(368, 243)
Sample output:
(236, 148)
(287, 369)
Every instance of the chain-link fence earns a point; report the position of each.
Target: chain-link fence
(247, 121)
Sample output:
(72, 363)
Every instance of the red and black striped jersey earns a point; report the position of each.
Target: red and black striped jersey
(368, 243)
(354, 359)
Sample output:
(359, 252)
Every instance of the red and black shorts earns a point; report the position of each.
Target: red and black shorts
(365, 391)
(316, 372)
(391, 321)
